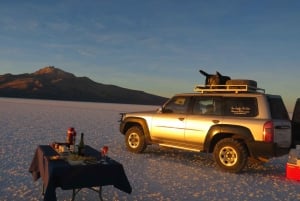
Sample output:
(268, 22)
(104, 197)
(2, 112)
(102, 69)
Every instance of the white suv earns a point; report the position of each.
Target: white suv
(233, 123)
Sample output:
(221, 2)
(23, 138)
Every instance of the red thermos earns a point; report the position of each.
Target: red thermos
(71, 136)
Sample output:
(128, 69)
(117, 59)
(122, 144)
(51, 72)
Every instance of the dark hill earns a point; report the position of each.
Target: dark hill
(56, 84)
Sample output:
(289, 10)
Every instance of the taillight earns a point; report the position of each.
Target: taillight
(268, 131)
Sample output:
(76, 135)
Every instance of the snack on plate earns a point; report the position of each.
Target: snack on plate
(55, 157)
(75, 157)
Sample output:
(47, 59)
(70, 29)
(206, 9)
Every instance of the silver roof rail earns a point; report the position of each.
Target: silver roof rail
(227, 88)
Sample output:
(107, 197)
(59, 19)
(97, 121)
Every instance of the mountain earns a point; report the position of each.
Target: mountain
(56, 84)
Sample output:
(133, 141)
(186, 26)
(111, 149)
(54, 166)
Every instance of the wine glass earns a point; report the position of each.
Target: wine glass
(104, 151)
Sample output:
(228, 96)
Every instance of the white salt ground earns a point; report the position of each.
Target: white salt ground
(158, 174)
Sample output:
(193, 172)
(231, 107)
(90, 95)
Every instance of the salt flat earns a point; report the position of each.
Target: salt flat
(158, 174)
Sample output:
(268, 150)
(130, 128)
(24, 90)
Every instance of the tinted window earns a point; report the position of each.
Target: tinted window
(278, 110)
(240, 107)
(207, 106)
(296, 113)
(177, 105)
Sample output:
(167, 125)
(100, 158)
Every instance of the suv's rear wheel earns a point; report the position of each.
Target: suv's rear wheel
(230, 155)
(135, 139)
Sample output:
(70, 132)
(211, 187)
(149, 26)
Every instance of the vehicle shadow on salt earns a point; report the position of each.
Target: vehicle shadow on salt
(273, 168)
(179, 156)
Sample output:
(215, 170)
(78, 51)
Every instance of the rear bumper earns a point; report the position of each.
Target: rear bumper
(266, 150)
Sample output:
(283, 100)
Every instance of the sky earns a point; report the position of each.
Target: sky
(156, 46)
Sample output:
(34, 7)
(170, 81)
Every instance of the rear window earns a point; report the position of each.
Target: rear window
(227, 106)
(296, 113)
(240, 107)
(278, 110)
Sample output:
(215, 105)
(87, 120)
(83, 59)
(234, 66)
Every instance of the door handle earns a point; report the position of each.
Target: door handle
(215, 121)
(181, 118)
(282, 127)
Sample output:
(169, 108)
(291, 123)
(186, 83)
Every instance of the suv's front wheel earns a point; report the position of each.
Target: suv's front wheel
(230, 155)
(135, 139)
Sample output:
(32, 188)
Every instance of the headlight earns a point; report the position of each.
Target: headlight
(122, 116)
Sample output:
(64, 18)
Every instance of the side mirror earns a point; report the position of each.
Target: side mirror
(159, 110)
(164, 110)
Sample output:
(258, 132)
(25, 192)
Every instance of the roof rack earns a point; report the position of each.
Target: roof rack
(227, 88)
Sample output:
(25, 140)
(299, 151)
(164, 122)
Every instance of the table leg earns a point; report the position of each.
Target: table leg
(43, 190)
(73, 194)
(100, 193)
(75, 191)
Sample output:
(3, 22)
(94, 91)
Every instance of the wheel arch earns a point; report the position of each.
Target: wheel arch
(130, 122)
(218, 132)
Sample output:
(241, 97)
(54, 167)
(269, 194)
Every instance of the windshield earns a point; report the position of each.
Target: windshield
(177, 105)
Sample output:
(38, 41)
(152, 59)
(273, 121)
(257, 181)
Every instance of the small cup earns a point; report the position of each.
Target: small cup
(63, 148)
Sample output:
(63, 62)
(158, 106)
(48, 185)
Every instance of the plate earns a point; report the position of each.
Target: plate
(75, 159)
(77, 162)
(55, 157)
(91, 162)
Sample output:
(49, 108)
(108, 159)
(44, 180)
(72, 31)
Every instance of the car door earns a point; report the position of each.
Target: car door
(281, 121)
(168, 125)
(206, 112)
(296, 124)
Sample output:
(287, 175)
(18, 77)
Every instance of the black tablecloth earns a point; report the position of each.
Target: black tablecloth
(59, 173)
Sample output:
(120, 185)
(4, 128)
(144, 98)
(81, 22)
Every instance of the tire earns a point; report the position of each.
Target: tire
(230, 155)
(135, 139)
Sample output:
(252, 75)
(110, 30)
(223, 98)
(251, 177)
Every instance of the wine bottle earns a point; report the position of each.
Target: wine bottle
(81, 146)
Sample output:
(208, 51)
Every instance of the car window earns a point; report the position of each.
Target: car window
(240, 107)
(207, 106)
(177, 105)
(296, 113)
(278, 110)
